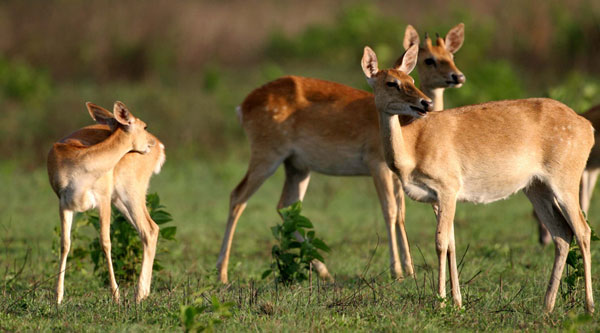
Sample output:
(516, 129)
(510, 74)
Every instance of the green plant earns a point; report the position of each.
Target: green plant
(291, 258)
(199, 317)
(575, 265)
(126, 245)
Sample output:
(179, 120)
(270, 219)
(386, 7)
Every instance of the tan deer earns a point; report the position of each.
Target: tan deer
(315, 125)
(99, 164)
(589, 177)
(436, 67)
(483, 153)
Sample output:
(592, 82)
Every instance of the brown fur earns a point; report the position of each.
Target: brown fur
(315, 125)
(443, 73)
(589, 176)
(124, 184)
(486, 152)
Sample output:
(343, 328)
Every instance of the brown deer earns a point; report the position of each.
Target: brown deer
(315, 125)
(99, 164)
(483, 153)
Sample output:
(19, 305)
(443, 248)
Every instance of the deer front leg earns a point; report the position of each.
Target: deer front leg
(402, 239)
(104, 211)
(445, 247)
(384, 184)
(453, 268)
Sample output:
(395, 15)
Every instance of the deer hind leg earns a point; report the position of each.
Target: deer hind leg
(588, 181)
(384, 184)
(544, 236)
(259, 169)
(569, 206)
(66, 219)
(294, 189)
(550, 215)
(134, 209)
(104, 211)
(401, 237)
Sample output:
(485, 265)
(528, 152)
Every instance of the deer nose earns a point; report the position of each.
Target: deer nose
(458, 78)
(427, 105)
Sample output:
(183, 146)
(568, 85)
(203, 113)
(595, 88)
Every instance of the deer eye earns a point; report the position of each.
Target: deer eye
(146, 127)
(429, 62)
(392, 84)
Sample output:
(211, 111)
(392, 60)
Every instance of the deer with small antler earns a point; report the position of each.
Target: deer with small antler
(314, 125)
(483, 153)
(110, 162)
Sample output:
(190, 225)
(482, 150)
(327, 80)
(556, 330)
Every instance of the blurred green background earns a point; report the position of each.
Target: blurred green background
(183, 66)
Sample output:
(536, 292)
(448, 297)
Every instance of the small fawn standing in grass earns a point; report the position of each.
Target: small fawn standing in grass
(483, 153)
(314, 125)
(96, 165)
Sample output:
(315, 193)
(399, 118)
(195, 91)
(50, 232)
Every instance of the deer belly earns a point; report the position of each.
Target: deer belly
(79, 201)
(338, 161)
(419, 192)
(491, 190)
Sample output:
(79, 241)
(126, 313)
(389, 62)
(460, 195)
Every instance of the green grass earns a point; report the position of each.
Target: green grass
(503, 274)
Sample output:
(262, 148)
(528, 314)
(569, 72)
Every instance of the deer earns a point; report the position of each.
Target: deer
(435, 66)
(488, 152)
(111, 161)
(588, 178)
(315, 125)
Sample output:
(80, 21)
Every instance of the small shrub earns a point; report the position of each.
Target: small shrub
(126, 250)
(199, 317)
(291, 258)
(575, 270)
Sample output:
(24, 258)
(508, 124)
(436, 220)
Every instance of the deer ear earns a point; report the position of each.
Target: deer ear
(455, 38)
(100, 114)
(122, 114)
(411, 37)
(406, 63)
(369, 63)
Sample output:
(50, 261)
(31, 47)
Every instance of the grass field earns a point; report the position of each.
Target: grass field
(503, 270)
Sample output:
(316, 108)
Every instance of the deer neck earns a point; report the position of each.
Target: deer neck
(437, 95)
(103, 156)
(394, 148)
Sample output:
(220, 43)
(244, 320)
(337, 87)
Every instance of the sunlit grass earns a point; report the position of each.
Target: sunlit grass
(503, 274)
